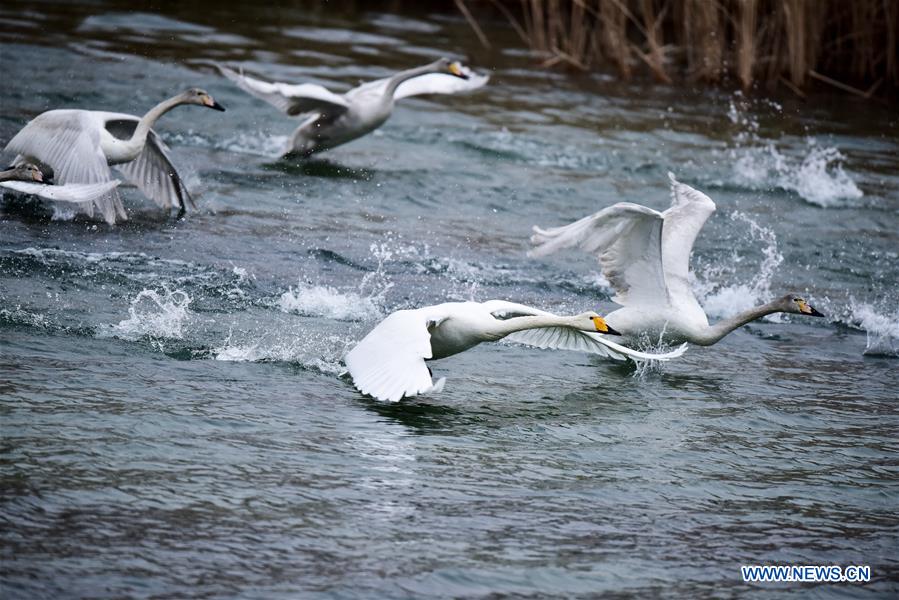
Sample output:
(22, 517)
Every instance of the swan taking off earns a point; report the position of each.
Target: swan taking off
(28, 179)
(645, 255)
(79, 146)
(389, 362)
(333, 119)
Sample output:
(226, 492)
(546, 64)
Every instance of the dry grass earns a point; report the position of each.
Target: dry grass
(851, 44)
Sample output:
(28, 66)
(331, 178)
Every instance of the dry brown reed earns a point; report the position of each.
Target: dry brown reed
(851, 44)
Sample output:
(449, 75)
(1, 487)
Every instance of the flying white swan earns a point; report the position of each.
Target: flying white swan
(389, 362)
(333, 119)
(26, 178)
(645, 255)
(79, 146)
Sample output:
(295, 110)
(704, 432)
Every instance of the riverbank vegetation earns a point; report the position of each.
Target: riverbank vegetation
(850, 45)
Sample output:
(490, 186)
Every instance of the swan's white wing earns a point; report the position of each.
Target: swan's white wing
(389, 362)
(556, 338)
(567, 338)
(71, 192)
(627, 241)
(291, 99)
(689, 211)
(501, 308)
(68, 141)
(564, 338)
(430, 83)
(152, 171)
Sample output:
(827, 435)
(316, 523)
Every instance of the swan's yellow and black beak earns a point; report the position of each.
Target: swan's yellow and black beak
(603, 327)
(456, 69)
(807, 309)
(208, 101)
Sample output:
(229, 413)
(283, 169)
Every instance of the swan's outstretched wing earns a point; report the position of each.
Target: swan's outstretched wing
(291, 99)
(152, 171)
(76, 193)
(627, 241)
(689, 211)
(567, 338)
(430, 83)
(68, 142)
(389, 362)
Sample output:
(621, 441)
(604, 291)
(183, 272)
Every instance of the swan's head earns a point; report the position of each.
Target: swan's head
(455, 68)
(200, 97)
(25, 172)
(791, 303)
(590, 321)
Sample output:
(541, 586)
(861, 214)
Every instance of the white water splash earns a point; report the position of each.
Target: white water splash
(882, 329)
(312, 350)
(256, 143)
(725, 300)
(364, 303)
(156, 315)
(817, 175)
(325, 301)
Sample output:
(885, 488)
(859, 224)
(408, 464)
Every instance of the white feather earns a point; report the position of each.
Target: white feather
(76, 193)
(289, 99)
(68, 142)
(430, 83)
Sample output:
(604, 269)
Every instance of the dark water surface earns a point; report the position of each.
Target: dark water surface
(173, 421)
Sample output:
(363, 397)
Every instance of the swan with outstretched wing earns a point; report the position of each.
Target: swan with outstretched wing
(645, 255)
(76, 146)
(331, 119)
(389, 362)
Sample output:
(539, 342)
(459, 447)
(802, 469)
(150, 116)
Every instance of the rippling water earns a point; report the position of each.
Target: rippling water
(173, 419)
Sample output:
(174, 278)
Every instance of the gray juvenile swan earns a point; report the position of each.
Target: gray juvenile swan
(334, 119)
(389, 362)
(645, 255)
(27, 178)
(79, 146)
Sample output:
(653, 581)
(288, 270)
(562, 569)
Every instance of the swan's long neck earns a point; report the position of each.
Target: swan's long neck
(720, 329)
(136, 144)
(395, 81)
(9, 175)
(509, 326)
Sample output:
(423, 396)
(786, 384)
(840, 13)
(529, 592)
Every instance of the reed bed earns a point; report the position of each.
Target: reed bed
(849, 44)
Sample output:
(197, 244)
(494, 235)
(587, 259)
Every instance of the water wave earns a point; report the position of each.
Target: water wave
(201, 281)
(317, 350)
(47, 255)
(21, 316)
(256, 143)
(521, 147)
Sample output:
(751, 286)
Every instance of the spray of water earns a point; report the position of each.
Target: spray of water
(816, 173)
(881, 327)
(725, 300)
(156, 315)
